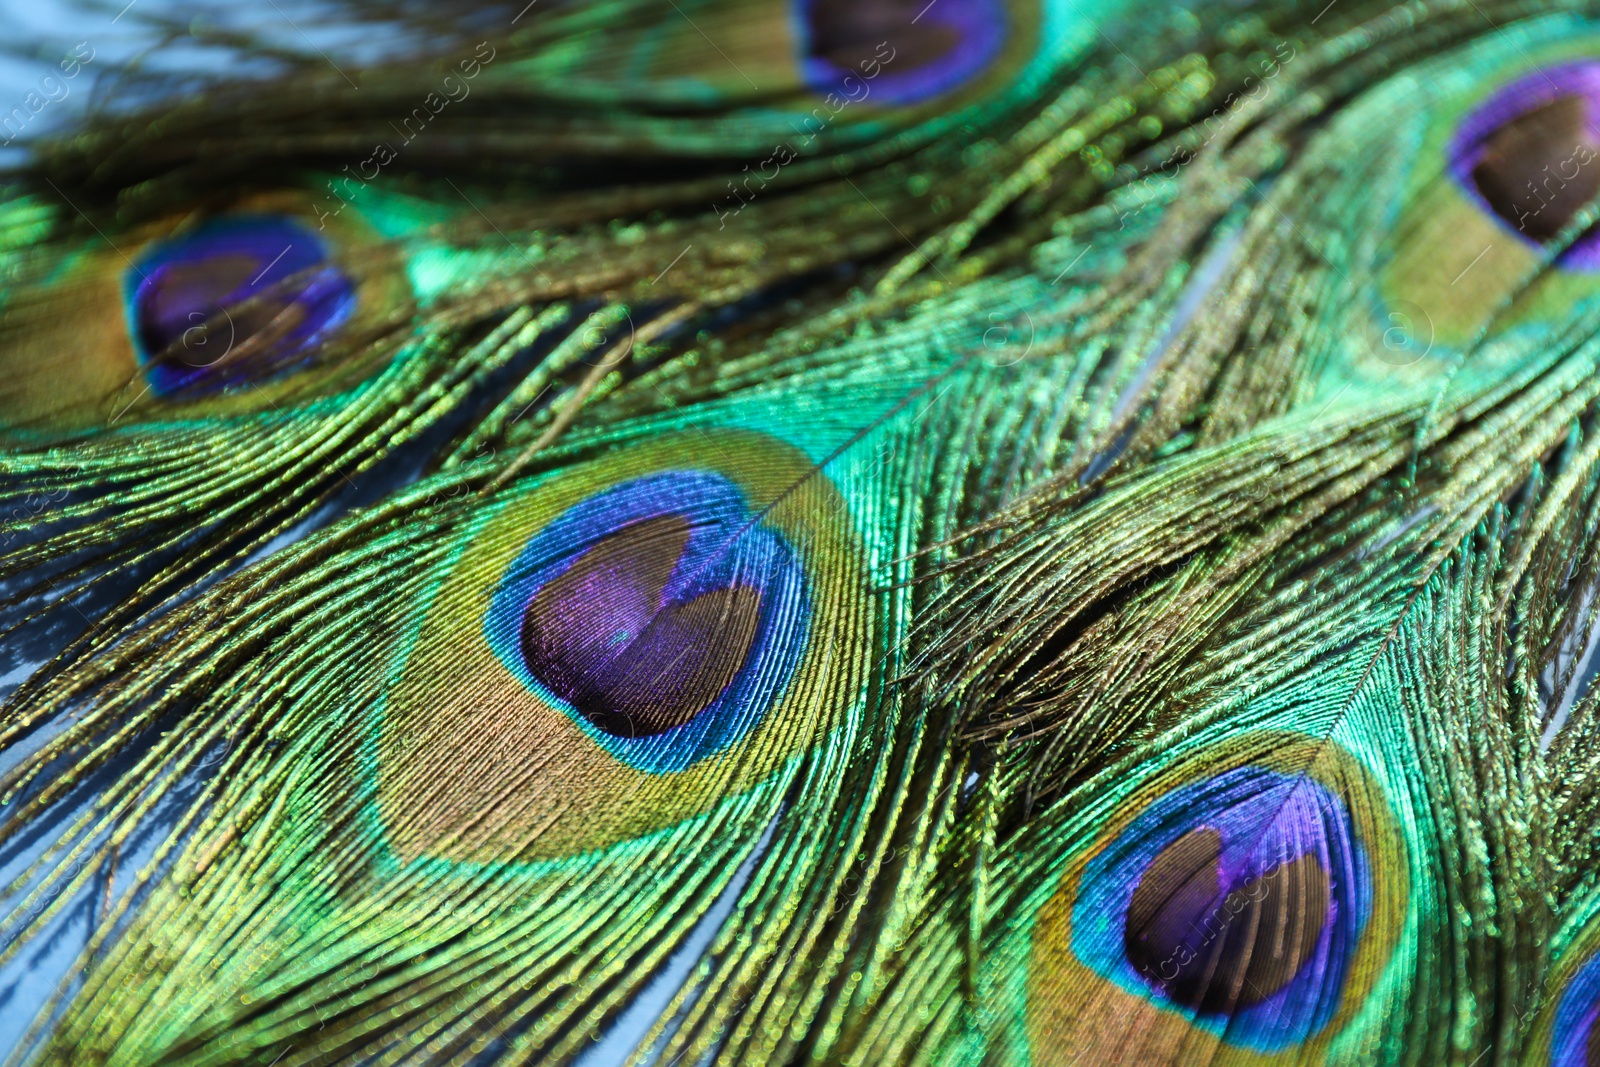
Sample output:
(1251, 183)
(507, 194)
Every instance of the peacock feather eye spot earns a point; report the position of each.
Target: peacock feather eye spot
(238, 299)
(1232, 902)
(659, 612)
(899, 51)
(1215, 939)
(621, 646)
(1238, 901)
(1530, 154)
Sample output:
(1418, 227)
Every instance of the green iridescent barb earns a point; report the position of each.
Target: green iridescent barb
(992, 532)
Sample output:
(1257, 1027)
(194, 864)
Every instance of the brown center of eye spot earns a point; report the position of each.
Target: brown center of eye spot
(601, 639)
(1541, 168)
(212, 278)
(1215, 952)
(849, 33)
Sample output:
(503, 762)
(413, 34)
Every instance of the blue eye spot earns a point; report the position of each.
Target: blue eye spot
(1575, 1041)
(898, 52)
(1178, 908)
(660, 615)
(238, 299)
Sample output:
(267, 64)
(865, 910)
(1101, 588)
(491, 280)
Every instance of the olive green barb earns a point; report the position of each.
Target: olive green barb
(524, 202)
(984, 532)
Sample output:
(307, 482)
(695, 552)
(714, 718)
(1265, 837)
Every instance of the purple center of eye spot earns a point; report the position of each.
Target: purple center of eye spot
(1530, 155)
(898, 51)
(634, 663)
(238, 299)
(1221, 940)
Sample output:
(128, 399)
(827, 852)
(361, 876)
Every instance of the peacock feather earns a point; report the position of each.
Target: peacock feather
(991, 532)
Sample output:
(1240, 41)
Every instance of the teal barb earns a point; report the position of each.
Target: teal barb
(995, 532)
